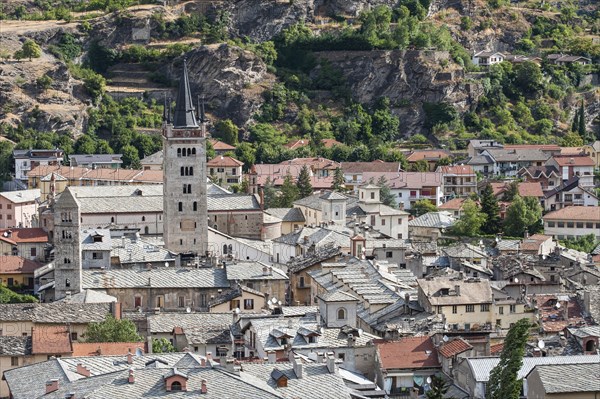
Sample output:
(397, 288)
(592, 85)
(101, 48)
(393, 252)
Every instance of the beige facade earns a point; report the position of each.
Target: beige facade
(247, 302)
(19, 208)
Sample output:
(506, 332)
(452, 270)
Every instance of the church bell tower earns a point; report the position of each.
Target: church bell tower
(184, 175)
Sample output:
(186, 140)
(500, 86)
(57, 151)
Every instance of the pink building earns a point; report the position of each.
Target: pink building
(19, 208)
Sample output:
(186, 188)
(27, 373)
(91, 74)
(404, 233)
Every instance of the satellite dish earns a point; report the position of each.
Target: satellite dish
(322, 330)
(188, 310)
(166, 264)
(557, 306)
(516, 280)
(274, 300)
(445, 338)
(237, 310)
(429, 380)
(541, 344)
(139, 353)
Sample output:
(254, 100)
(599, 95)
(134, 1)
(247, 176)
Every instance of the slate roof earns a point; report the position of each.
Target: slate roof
(321, 254)
(481, 367)
(408, 353)
(78, 159)
(19, 197)
(247, 271)
(88, 243)
(135, 250)
(480, 159)
(153, 159)
(337, 296)
(54, 313)
(517, 154)
(471, 292)
(15, 346)
(199, 328)
(90, 296)
(438, 220)
(163, 278)
(581, 378)
(463, 250)
(232, 202)
(287, 214)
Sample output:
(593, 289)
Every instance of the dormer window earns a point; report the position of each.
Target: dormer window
(176, 381)
(445, 292)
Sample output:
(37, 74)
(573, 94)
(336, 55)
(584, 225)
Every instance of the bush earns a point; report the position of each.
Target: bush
(44, 82)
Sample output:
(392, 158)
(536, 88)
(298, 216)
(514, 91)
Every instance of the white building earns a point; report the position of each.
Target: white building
(487, 58)
(25, 160)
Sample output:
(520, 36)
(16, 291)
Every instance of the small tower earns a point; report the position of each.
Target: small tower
(184, 175)
(67, 261)
(333, 207)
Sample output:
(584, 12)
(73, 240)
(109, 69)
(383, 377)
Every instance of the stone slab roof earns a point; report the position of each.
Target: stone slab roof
(471, 291)
(15, 346)
(287, 214)
(439, 220)
(247, 271)
(54, 313)
(581, 378)
(161, 278)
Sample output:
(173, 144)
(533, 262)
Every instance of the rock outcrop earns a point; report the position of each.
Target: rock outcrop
(231, 80)
(408, 79)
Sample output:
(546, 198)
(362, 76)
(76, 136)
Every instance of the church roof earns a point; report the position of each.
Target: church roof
(184, 108)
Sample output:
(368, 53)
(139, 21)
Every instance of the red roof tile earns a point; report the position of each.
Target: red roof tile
(496, 349)
(454, 347)
(456, 170)
(453, 204)
(526, 189)
(570, 213)
(17, 265)
(574, 161)
(33, 234)
(427, 155)
(106, 348)
(221, 146)
(50, 340)
(224, 162)
(408, 353)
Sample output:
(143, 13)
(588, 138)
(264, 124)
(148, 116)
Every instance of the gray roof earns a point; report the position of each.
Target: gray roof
(90, 296)
(135, 250)
(231, 202)
(463, 250)
(247, 271)
(324, 253)
(338, 296)
(585, 331)
(471, 291)
(439, 220)
(54, 313)
(482, 367)
(158, 278)
(199, 328)
(517, 154)
(15, 346)
(184, 114)
(287, 214)
(21, 196)
(480, 160)
(213, 189)
(88, 243)
(569, 378)
(95, 158)
(153, 159)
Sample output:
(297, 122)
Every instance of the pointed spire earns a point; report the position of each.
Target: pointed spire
(184, 107)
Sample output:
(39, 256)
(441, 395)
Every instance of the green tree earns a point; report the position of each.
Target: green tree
(385, 194)
(44, 82)
(585, 243)
(504, 382)
(269, 194)
(471, 221)
(489, 206)
(112, 330)
(338, 180)
(304, 186)
(511, 191)
(246, 153)
(227, 131)
(422, 207)
(581, 128)
(131, 157)
(30, 49)
(572, 139)
(9, 296)
(522, 215)
(439, 388)
(162, 345)
(289, 192)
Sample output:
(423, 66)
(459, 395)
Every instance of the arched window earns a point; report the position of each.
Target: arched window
(67, 283)
(146, 230)
(341, 314)
(590, 346)
(189, 152)
(112, 219)
(178, 152)
(191, 171)
(143, 218)
(176, 386)
(195, 206)
(182, 171)
(181, 207)
(224, 249)
(194, 151)
(230, 249)
(185, 188)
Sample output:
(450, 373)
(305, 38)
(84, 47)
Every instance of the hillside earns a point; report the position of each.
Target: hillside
(374, 74)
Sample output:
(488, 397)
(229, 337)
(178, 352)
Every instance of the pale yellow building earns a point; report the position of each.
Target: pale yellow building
(593, 151)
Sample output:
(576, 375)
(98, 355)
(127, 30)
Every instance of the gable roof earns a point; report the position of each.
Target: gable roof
(407, 353)
(19, 197)
(454, 347)
(574, 160)
(287, 214)
(373, 166)
(437, 220)
(581, 378)
(471, 291)
(526, 189)
(220, 145)
(456, 170)
(223, 161)
(428, 155)
(145, 279)
(579, 213)
(17, 265)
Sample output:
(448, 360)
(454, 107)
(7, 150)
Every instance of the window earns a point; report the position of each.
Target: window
(67, 283)
(176, 386)
(301, 282)
(470, 308)
(220, 170)
(552, 278)
(560, 224)
(570, 225)
(400, 195)
(73, 336)
(484, 307)
(248, 303)
(137, 302)
(33, 252)
(97, 255)
(341, 314)
(399, 220)
(388, 254)
(579, 225)
(550, 224)
(181, 302)
(8, 217)
(14, 361)
(143, 218)
(372, 195)
(11, 281)
(589, 225)
(400, 235)
(382, 222)
(181, 207)
(8, 206)
(513, 308)
(454, 309)
(160, 301)
(203, 300)
(372, 220)
(191, 171)
(342, 356)
(195, 206)
(501, 310)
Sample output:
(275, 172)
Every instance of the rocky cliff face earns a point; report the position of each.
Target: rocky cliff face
(408, 79)
(231, 79)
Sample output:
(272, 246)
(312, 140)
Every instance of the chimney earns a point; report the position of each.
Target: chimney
(526, 233)
(202, 362)
(320, 357)
(331, 363)
(265, 270)
(84, 371)
(272, 357)
(230, 365)
(129, 357)
(149, 345)
(203, 388)
(305, 239)
(261, 193)
(298, 367)
(209, 356)
(537, 352)
(457, 289)
(51, 385)
(131, 378)
(116, 308)
(351, 340)
(406, 303)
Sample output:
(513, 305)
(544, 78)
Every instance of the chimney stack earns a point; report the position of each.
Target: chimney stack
(272, 357)
(298, 367)
(265, 270)
(51, 386)
(230, 365)
(131, 378)
(457, 289)
(129, 357)
(203, 389)
(351, 340)
(209, 356)
(320, 357)
(331, 363)
(406, 303)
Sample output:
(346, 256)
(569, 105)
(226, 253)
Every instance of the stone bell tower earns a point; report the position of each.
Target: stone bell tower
(67, 260)
(184, 169)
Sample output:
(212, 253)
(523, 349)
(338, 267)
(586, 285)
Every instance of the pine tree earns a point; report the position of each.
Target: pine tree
(304, 187)
(575, 123)
(489, 206)
(289, 192)
(269, 194)
(504, 382)
(385, 195)
(338, 180)
(581, 128)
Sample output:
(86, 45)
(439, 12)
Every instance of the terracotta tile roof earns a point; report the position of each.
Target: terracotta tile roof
(453, 204)
(496, 349)
(66, 171)
(50, 340)
(105, 174)
(225, 162)
(221, 146)
(454, 347)
(584, 213)
(571, 150)
(327, 143)
(373, 166)
(27, 235)
(574, 161)
(456, 170)
(106, 348)
(533, 242)
(17, 265)
(408, 353)
(554, 320)
(407, 180)
(428, 155)
(526, 189)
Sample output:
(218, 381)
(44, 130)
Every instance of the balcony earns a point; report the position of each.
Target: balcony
(302, 285)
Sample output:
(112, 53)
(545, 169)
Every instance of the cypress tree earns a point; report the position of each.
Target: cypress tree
(581, 128)
(489, 206)
(304, 187)
(575, 124)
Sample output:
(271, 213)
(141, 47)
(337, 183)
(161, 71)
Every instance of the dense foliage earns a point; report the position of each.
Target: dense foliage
(9, 296)
(112, 330)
